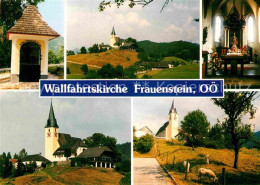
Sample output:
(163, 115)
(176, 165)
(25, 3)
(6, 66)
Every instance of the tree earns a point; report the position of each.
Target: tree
(20, 170)
(236, 105)
(119, 71)
(84, 69)
(11, 11)
(99, 139)
(93, 49)
(22, 153)
(5, 165)
(194, 128)
(70, 52)
(52, 59)
(216, 136)
(107, 72)
(131, 3)
(60, 55)
(83, 50)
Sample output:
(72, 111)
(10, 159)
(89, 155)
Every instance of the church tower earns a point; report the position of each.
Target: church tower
(51, 135)
(113, 38)
(173, 127)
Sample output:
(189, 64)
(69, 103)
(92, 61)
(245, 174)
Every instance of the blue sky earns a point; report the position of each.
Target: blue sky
(23, 116)
(86, 25)
(53, 13)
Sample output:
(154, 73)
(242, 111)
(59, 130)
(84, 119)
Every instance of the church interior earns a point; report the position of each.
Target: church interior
(231, 40)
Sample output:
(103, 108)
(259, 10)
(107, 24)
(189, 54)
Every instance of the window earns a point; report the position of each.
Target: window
(217, 29)
(250, 29)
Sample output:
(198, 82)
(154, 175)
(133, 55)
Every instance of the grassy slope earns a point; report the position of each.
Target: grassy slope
(180, 72)
(248, 164)
(68, 175)
(114, 57)
(175, 59)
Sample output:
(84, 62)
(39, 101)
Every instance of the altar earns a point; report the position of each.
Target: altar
(234, 60)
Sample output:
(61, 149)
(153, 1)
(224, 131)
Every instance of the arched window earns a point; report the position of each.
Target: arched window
(217, 29)
(250, 29)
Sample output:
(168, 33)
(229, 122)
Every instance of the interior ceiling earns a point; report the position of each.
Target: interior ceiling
(216, 4)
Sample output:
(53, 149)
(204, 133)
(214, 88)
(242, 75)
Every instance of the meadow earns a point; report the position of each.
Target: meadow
(248, 172)
(64, 174)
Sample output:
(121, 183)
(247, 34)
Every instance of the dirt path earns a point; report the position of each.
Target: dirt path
(148, 171)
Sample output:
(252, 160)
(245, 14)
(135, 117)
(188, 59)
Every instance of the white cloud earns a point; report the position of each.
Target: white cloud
(173, 28)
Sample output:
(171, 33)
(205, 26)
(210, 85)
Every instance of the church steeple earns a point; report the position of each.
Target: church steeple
(113, 31)
(173, 109)
(51, 122)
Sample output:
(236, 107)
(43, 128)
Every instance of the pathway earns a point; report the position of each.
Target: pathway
(148, 171)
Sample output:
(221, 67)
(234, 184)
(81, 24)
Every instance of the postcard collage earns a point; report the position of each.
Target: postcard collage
(129, 140)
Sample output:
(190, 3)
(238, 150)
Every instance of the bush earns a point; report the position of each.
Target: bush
(146, 77)
(43, 165)
(126, 180)
(123, 166)
(144, 143)
(84, 69)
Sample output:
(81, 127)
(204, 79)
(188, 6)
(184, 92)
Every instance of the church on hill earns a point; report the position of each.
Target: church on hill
(61, 147)
(57, 145)
(170, 129)
(117, 42)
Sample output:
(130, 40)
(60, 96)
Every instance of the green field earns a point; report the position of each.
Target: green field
(180, 72)
(175, 59)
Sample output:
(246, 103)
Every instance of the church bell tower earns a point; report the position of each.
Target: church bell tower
(173, 127)
(51, 135)
(113, 38)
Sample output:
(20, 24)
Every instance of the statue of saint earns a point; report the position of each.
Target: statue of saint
(234, 44)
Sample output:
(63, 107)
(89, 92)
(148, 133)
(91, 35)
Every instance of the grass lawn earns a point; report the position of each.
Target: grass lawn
(248, 164)
(180, 72)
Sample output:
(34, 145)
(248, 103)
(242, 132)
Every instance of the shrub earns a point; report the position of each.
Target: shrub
(43, 165)
(126, 180)
(84, 69)
(144, 143)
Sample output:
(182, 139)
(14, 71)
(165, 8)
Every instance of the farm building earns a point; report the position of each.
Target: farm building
(39, 159)
(102, 157)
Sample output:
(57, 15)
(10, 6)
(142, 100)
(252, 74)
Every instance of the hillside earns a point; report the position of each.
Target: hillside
(248, 163)
(175, 48)
(68, 175)
(56, 44)
(190, 71)
(114, 57)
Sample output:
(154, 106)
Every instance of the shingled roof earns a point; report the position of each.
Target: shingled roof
(32, 23)
(36, 157)
(67, 142)
(94, 152)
